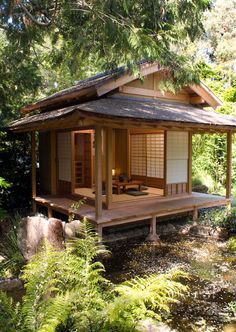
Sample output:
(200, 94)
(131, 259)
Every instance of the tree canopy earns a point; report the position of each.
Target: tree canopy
(92, 35)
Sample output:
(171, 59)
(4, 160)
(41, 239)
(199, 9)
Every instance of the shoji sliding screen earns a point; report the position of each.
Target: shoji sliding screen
(147, 158)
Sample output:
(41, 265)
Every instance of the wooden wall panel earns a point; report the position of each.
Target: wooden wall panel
(121, 150)
(64, 187)
(174, 189)
(146, 83)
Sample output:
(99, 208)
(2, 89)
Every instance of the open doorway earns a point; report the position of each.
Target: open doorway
(83, 161)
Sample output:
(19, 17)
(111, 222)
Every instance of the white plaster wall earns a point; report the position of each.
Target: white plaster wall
(177, 157)
(64, 156)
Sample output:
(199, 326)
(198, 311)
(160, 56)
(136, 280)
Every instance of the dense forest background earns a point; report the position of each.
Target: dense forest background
(48, 45)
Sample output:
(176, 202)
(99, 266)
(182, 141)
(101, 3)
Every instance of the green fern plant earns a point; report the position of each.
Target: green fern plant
(12, 258)
(10, 317)
(67, 291)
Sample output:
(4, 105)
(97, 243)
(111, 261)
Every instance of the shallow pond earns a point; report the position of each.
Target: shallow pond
(212, 283)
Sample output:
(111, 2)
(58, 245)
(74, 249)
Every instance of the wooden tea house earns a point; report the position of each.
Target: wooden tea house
(124, 145)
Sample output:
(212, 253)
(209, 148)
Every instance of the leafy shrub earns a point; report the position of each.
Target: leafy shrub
(219, 217)
(66, 291)
(231, 220)
(231, 244)
(3, 185)
(214, 217)
(232, 307)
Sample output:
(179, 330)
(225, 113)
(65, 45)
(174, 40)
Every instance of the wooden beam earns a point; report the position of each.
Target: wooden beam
(145, 69)
(98, 172)
(229, 159)
(46, 102)
(33, 170)
(154, 93)
(190, 163)
(203, 91)
(53, 177)
(109, 158)
(197, 100)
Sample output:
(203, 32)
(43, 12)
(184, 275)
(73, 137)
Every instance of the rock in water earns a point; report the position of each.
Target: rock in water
(55, 234)
(71, 229)
(34, 230)
(30, 235)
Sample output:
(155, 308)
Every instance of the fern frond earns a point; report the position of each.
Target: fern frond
(146, 297)
(9, 314)
(57, 312)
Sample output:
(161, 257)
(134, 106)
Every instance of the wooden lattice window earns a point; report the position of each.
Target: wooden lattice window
(147, 155)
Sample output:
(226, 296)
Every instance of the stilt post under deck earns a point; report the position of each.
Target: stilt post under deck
(229, 158)
(33, 170)
(98, 172)
(109, 167)
(152, 236)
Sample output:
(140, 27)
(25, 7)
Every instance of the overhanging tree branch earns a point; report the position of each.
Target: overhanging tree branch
(35, 20)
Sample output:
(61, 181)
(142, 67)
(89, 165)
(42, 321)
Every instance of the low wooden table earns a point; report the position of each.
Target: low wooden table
(124, 184)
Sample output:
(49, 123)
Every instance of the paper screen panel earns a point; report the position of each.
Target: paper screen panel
(138, 155)
(177, 145)
(155, 155)
(147, 155)
(177, 157)
(177, 171)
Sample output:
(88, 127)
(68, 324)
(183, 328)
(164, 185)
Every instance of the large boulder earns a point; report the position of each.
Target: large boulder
(71, 229)
(34, 230)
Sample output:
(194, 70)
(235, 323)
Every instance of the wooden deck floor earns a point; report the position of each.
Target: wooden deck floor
(127, 212)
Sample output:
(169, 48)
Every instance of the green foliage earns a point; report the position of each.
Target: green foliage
(74, 207)
(3, 185)
(219, 217)
(232, 307)
(12, 259)
(66, 291)
(214, 217)
(105, 34)
(15, 160)
(231, 220)
(9, 314)
(20, 78)
(231, 244)
(209, 161)
(140, 298)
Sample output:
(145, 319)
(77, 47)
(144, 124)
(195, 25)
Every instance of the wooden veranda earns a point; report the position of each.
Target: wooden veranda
(150, 209)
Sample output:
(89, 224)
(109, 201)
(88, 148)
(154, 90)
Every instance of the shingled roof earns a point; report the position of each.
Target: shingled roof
(81, 87)
(144, 110)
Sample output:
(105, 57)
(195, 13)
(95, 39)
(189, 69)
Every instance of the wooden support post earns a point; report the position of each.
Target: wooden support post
(98, 172)
(33, 170)
(53, 162)
(109, 159)
(99, 230)
(229, 158)
(190, 163)
(195, 214)
(152, 236)
(49, 212)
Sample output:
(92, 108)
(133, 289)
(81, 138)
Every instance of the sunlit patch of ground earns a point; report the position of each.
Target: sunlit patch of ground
(212, 284)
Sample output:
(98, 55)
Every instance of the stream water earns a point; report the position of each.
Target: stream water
(212, 283)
